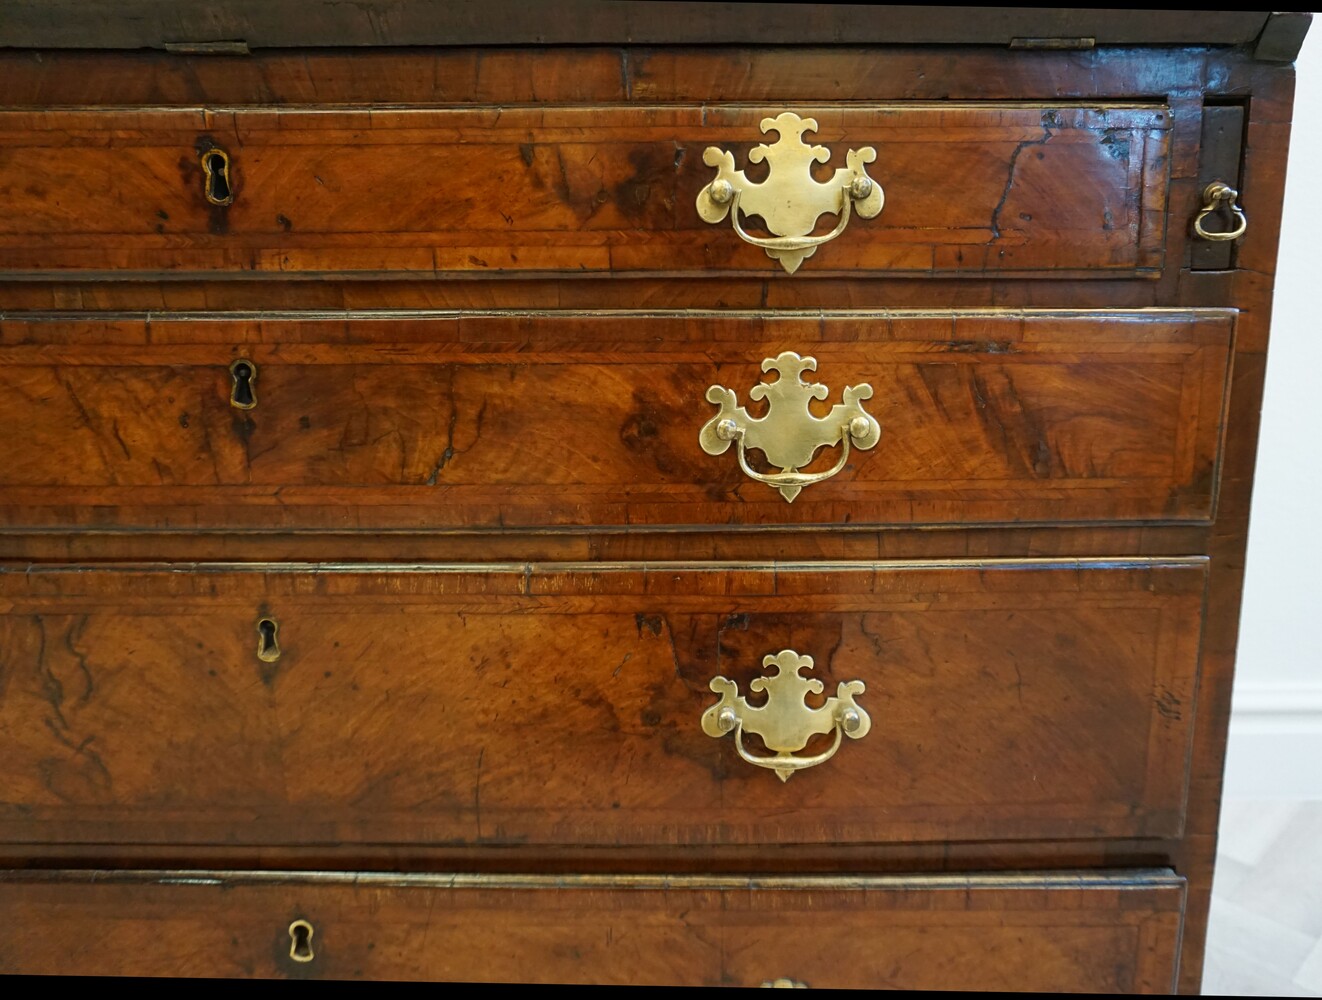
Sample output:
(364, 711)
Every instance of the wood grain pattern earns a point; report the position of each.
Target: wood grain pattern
(97, 24)
(729, 859)
(504, 76)
(1072, 932)
(1064, 189)
(618, 545)
(560, 704)
(244, 294)
(1181, 80)
(462, 421)
(1266, 143)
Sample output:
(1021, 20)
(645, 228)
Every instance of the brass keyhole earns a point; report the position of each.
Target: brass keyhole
(243, 391)
(300, 941)
(268, 646)
(217, 186)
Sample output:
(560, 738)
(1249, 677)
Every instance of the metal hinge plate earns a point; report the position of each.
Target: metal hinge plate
(208, 48)
(1053, 43)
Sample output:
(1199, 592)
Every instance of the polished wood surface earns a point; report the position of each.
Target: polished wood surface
(578, 189)
(1075, 932)
(561, 705)
(844, 542)
(734, 73)
(1177, 83)
(556, 419)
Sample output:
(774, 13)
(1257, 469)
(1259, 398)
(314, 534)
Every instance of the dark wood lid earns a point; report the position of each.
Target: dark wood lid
(240, 25)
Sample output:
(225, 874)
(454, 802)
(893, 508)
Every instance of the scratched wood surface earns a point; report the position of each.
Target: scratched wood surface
(454, 421)
(576, 189)
(561, 705)
(1057, 932)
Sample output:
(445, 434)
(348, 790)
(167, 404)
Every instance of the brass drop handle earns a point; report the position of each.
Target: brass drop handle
(1215, 195)
(790, 200)
(785, 722)
(300, 941)
(217, 182)
(789, 435)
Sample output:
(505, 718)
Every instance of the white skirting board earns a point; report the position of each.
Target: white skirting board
(1275, 746)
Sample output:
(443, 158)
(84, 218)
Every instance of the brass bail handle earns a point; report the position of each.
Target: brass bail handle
(1215, 195)
(790, 200)
(784, 721)
(789, 435)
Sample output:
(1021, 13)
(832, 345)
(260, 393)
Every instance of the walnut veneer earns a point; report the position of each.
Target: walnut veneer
(362, 579)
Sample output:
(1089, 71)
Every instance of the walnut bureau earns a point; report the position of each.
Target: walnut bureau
(626, 493)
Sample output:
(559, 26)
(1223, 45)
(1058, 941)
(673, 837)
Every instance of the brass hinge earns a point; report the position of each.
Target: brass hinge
(1053, 43)
(208, 48)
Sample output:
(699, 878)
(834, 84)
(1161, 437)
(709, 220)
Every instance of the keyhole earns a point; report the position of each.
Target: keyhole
(268, 646)
(217, 187)
(243, 393)
(300, 941)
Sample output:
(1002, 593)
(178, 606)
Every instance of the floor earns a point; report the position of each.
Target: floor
(1265, 932)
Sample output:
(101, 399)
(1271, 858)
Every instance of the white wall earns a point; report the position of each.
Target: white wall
(1276, 724)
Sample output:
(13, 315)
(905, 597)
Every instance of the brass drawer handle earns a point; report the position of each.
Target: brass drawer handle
(790, 200)
(785, 722)
(1215, 195)
(789, 435)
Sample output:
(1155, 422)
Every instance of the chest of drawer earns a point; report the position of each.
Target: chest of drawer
(578, 705)
(884, 411)
(579, 189)
(482, 420)
(1072, 932)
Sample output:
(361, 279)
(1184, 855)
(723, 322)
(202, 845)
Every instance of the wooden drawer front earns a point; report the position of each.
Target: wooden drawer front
(367, 421)
(1095, 933)
(1066, 190)
(561, 704)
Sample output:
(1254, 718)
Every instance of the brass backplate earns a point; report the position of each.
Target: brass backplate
(790, 200)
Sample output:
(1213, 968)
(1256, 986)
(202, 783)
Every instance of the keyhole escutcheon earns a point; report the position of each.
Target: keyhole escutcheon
(216, 184)
(300, 941)
(268, 644)
(243, 390)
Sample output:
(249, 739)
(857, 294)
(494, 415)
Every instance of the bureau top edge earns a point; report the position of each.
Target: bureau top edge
(237, 26)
